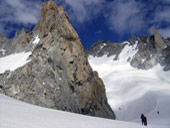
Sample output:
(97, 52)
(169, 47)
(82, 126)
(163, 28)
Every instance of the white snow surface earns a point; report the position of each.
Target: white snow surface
(16, 114)
(13, 61)
(131, 91)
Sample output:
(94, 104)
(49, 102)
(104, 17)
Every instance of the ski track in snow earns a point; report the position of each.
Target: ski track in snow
(131, 91)
(16, 114)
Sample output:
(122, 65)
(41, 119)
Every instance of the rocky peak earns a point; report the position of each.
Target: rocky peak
(17, 44)
(49, 7)
(2, 38)
(104, 47)
(59, 75)
(54, 18)
(21, 33)
(159, 43)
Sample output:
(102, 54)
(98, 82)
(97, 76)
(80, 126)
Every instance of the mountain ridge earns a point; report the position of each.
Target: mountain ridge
(150, 48)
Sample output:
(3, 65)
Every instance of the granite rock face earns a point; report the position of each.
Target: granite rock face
(105, 47)
(59, 75)
(159, 42)
(19, 43)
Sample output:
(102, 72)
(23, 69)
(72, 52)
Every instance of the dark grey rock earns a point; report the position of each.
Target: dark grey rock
(103, 47)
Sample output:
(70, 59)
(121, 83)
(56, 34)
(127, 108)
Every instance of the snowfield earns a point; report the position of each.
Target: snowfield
(16, 114)
(131, 91)
(13, 61)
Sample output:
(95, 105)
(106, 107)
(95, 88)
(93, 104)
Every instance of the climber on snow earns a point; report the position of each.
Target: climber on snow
(144, 120)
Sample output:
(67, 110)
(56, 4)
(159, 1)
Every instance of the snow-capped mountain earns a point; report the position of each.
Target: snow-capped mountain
(48, 67)
(136, 75)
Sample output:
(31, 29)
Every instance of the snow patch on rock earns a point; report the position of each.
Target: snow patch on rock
(14, 61)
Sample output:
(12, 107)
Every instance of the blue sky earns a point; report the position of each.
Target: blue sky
(115, 20)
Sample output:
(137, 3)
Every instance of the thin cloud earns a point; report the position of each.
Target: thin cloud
(121, 16)
(161, 20)
(27, 12)
(99, 32)
(162, 15)
(125, 17)
(165, 32)
(81, 11)
(18, 12)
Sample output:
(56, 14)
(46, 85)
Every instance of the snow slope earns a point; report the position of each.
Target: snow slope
(16, 60)
(131, 91)
(16, 114)
(13, 61)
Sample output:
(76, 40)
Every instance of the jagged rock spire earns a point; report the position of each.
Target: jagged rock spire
(159, 43)
(59, 75)
(55, 18)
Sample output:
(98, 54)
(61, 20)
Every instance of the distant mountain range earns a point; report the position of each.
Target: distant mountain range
(150, 50)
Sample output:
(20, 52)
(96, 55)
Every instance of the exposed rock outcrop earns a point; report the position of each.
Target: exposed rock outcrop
(159, 43)
(105, 47)
(19, 43)
(59, 75)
